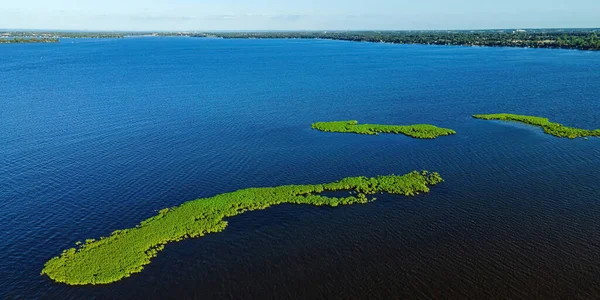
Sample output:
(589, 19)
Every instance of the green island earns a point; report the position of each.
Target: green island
(127, 251)
(420, 131)
(552, 128)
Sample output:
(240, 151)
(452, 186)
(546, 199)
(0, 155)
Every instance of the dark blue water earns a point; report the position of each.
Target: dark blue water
(97, 135)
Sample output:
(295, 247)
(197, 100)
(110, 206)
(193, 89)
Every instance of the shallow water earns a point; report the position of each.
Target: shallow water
(98, 135)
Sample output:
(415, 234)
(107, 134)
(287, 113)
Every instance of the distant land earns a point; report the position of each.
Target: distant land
(27, 40)
(581, 39)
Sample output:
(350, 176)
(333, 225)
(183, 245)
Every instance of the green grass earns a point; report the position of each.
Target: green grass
(554, 129)
(127, 251)
(420, 131)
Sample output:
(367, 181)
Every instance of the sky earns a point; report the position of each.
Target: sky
(202, 15)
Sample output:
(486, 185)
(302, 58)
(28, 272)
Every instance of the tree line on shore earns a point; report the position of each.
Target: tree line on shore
(27, 40)
(564, 39)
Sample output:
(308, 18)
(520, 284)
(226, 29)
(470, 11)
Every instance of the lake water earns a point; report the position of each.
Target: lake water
(97, 135)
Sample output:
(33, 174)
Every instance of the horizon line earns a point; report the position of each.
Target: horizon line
(290, 30)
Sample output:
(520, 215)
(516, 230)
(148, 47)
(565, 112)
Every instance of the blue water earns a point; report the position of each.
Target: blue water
(98, 135)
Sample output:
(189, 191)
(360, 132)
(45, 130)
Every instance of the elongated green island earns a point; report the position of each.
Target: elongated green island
(552, 128)
(127, 251)
(420, 131)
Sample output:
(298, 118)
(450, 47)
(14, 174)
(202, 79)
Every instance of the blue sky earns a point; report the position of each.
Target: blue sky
(296, 14)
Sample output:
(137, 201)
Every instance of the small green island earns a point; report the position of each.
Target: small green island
(127, 251)
(552, 128)
(420, 131)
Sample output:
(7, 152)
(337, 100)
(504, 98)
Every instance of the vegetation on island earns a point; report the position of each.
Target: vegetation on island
(27, 40)
(127, 251)
(552, 128)
(583, 39)
(420, 131)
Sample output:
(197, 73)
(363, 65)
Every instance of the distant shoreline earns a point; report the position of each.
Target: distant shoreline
(555, 39)
(577, 39)
(28, 40)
